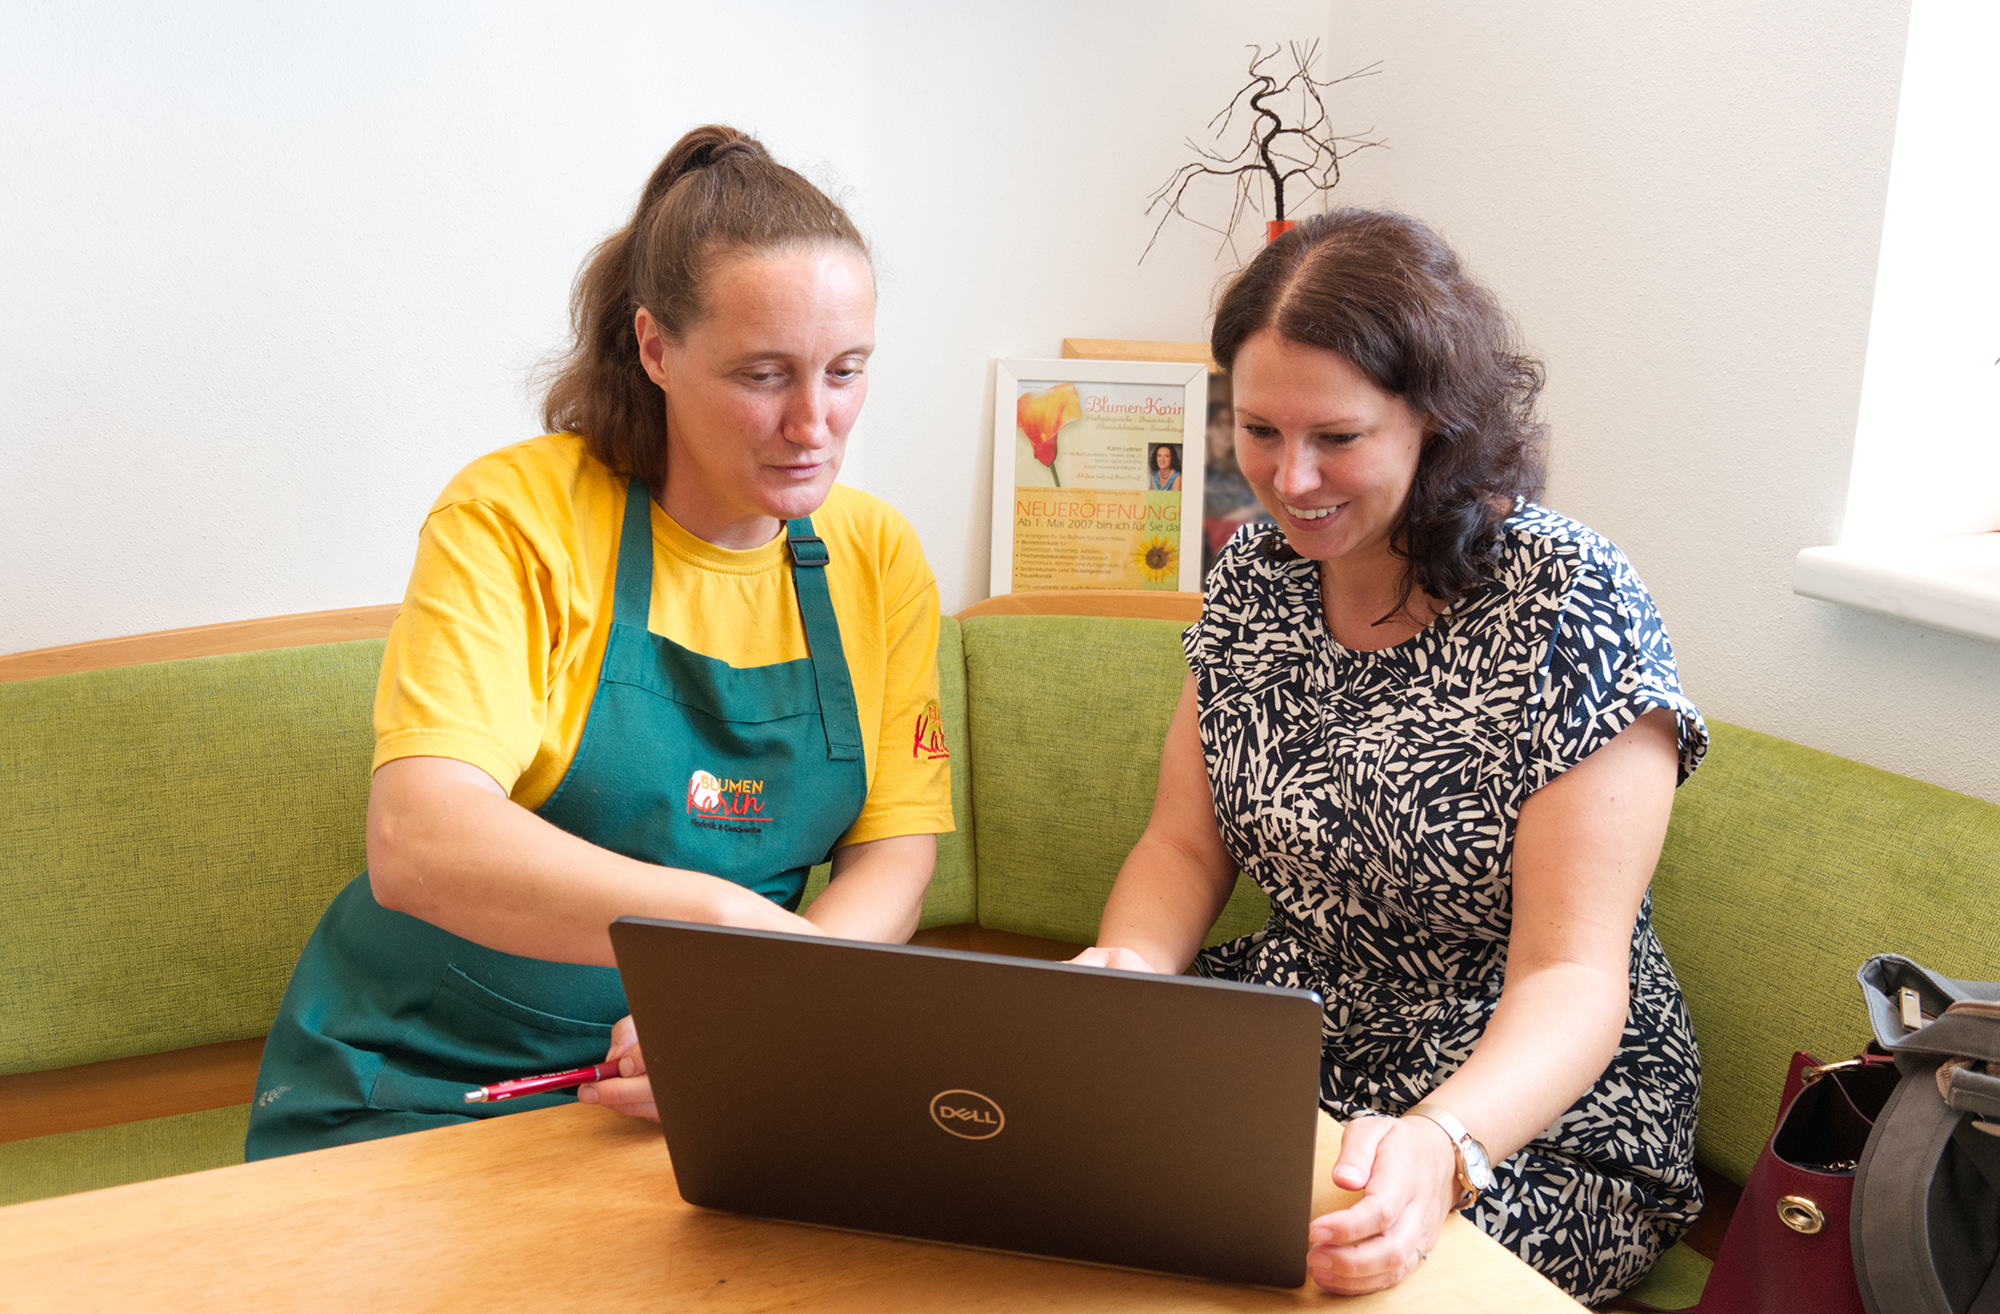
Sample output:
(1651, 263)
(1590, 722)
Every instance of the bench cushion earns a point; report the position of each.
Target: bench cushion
(128, 1152)
(186, 823)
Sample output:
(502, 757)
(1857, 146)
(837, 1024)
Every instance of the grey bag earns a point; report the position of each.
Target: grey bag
(1925, 1221)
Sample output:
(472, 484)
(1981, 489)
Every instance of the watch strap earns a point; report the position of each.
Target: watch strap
(1453, 1128)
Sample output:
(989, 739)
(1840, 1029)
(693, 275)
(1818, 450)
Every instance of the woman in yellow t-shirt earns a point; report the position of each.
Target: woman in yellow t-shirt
(655, 662)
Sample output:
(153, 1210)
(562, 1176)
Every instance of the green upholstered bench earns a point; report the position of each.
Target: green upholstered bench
(1784, 870)
(178, 826)
(174, 831)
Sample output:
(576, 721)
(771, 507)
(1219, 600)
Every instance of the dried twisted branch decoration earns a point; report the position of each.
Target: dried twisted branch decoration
(1305, 151)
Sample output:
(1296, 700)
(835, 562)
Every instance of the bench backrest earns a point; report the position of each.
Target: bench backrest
(1786, 868)
(1066, 716)
(175, 830)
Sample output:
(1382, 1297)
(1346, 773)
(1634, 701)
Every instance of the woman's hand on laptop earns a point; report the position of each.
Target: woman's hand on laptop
(1117, 958)
(632, 1091)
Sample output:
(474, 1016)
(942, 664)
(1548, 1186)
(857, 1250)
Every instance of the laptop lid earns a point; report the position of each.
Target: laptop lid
(1152, 1122)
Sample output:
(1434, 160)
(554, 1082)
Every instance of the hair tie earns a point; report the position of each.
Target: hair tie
(710, 153)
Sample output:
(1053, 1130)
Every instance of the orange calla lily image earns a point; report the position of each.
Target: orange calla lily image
(1041, 416)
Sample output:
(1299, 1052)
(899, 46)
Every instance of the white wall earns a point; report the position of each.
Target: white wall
(1013, 148)
(272, 276)
(1682, 204)
(273, 273)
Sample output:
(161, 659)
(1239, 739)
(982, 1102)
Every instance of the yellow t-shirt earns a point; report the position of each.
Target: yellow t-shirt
(494, 656)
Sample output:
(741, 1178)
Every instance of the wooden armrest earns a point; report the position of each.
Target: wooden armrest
(128, 1089)
(294, 631)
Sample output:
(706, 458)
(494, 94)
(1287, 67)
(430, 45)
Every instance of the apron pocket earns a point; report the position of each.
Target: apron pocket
(471, 1036)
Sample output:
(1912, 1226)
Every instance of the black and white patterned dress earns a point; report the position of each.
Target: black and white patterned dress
(1373, 796)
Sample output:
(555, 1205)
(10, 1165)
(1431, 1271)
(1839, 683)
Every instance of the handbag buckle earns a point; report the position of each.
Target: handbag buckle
(1801, 1215)
(1808, 1076)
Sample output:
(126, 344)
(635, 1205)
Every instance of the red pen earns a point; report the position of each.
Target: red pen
(507, 1090)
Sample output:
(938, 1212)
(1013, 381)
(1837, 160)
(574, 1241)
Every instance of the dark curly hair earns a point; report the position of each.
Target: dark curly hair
(717, 193)
(1385, 293)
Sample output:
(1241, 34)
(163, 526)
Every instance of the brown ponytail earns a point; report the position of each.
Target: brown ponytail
(717, 192)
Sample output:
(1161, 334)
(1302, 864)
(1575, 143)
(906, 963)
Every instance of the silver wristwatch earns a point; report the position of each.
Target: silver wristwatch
(1475, 1170)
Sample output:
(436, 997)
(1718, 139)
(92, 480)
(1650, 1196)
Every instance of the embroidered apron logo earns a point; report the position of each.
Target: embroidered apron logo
(736, 806)
(929, 741)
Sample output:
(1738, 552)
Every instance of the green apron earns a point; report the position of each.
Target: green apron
(749, 774)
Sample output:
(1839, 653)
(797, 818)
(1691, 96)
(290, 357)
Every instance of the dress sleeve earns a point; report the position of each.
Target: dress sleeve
(467, 669)
(1205, 642)
(1607, 663)
(1235, 625)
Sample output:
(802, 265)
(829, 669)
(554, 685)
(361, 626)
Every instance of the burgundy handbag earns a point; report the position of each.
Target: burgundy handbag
(1787, 1249)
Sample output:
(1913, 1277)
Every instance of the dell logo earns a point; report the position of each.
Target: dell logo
(967, 1114)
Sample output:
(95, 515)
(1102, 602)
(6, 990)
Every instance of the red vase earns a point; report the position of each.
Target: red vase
(1274, 227)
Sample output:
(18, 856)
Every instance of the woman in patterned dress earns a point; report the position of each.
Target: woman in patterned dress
(1440, 726)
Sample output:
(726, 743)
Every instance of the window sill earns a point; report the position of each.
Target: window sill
(1948, 583)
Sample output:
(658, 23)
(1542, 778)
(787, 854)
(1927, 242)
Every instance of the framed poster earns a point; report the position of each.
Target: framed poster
(1093, 462)
(1227, 501)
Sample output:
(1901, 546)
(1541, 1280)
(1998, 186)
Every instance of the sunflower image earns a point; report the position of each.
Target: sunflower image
(1157, 558)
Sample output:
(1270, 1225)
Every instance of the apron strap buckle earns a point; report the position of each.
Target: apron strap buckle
(807, 550)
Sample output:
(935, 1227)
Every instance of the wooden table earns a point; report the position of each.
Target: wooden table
(574, 1208)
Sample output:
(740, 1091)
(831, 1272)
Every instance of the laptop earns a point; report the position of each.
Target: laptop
(1151, 1122)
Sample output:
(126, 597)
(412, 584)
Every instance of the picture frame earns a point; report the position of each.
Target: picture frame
(1081, 451)
(1227, 501)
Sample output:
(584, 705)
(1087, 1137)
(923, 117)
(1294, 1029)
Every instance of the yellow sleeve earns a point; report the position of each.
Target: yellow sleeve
(910, 792)
(467, 669)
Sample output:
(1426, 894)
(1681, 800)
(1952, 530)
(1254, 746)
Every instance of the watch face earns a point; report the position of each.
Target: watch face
(1476, 1165)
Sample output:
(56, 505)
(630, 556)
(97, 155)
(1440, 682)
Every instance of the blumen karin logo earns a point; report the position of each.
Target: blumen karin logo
(711, 795)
